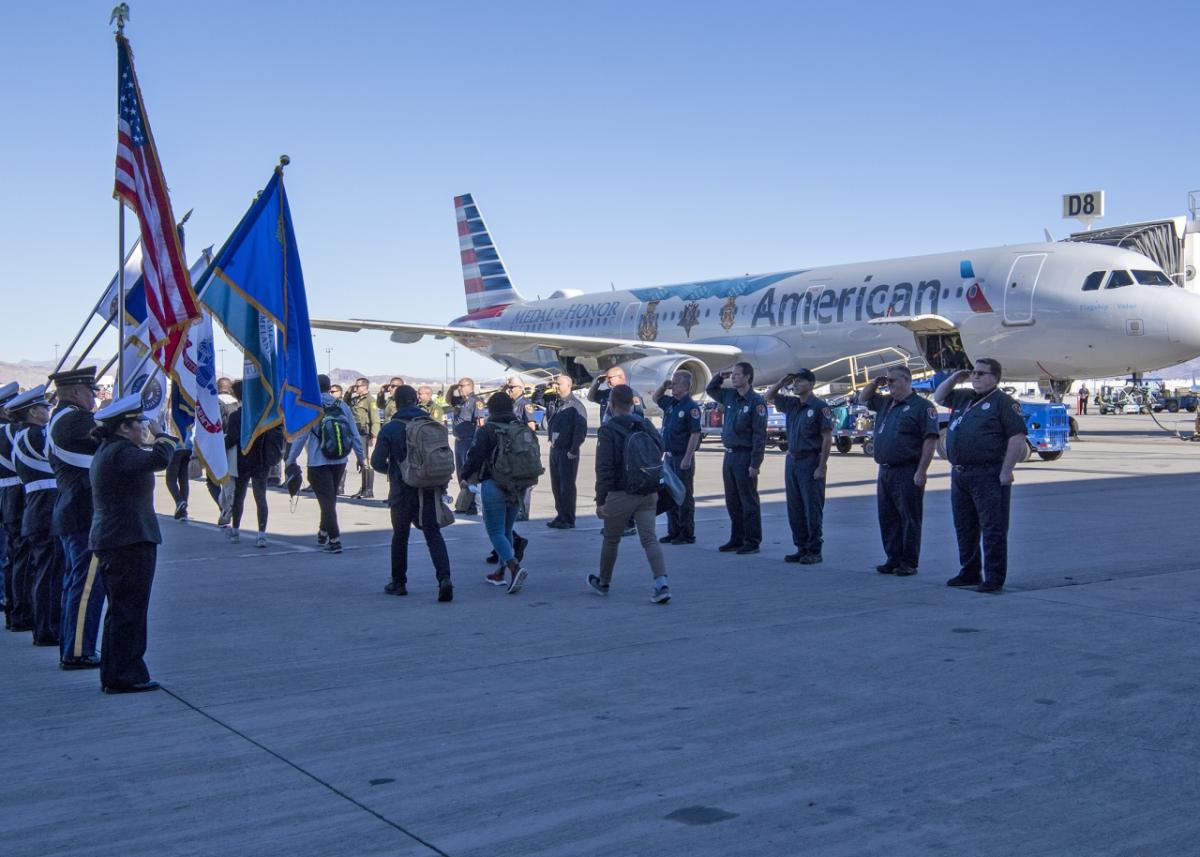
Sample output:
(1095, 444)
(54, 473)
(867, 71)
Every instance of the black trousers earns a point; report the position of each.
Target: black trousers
(980, 505)
(257, 479)
(564, 472)
(681, 520)
(901, 510)
(741, 498)
(177, 475)
(46, 569)
(417, 507)
(805, 503)
(324, 479)
(18, 583)
(128, 574)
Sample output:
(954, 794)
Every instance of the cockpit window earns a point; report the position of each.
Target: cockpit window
(1093, 281)
(1152, 278)
(1117, 279)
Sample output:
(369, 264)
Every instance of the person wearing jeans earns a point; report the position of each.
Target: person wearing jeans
(324, 474)
(500, 507)
(616, 506)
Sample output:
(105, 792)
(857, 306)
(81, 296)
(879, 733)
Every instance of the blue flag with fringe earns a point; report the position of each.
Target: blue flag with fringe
(255, 289)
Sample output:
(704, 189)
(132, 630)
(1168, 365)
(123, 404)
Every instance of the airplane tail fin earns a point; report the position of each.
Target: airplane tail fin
(484, 276)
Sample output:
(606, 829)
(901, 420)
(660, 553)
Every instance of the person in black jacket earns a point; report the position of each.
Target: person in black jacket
(252, 470)
(499, 507)
(71, 449)
(125, 537)
(615, 505)
(7, 477)
(410, 507)
(568, 430)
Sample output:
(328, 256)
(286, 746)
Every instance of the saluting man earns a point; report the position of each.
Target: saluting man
(125, 537)
(71, 448)
(8, 481)
(906, 433)
(810, 437)
(984, 441)
(37, 479)
(469, 413)
(744, 436)
(681, 434)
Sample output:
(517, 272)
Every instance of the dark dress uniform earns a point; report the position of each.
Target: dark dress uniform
(410, 507)
(744, 436)
(901, 429)
(125, 539)
(7, 392)
(681, 419)
(465, 411)
(807, 422)
(18, 590)
(46, 563)
(978, 435)
(71, 449)
(568, 429)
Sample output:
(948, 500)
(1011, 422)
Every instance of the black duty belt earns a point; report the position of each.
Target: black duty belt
(963, 468)
(739, 449)
(898, 466)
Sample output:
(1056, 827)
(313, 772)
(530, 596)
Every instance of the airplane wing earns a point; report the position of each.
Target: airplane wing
(403, 331)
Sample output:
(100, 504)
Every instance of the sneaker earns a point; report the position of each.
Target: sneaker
(990, 587)
(963, 580)
(661, 595)
(395, 588)
(322, 537)
(261, 541)
(497, 577)
(629, 531)
(904, 570)
(729, 547)
(597, 587)
(235, 537)
(334, 546)
(745, 549)
(180, 511)
(811, 559)
(224, 518)
(798, 556)
(445, 591)
(519, 545)
(518, 580)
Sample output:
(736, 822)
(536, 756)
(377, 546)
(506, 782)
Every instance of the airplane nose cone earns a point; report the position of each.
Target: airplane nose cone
(1183, 324)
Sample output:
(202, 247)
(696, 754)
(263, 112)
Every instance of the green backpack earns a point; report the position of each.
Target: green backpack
(518, 460)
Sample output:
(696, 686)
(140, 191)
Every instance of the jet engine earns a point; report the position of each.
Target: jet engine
(645, 374)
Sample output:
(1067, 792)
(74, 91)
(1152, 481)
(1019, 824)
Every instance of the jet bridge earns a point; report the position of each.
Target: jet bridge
(1173, 243)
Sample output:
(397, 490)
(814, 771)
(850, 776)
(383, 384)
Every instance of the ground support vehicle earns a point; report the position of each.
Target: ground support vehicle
(712, 418)
(853, 424)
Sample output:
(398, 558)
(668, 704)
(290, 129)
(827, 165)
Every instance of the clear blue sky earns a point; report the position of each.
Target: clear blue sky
(631, 143)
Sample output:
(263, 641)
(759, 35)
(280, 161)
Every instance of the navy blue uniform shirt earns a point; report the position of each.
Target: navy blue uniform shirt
(807, 422)
(980, 426)
(681, 419)
(902, 427)
(465, 412)
(745, 420)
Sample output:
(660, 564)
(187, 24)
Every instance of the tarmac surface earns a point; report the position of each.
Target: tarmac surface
(769, 709)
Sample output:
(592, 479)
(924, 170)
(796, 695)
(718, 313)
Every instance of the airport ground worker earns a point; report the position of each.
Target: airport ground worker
(905, 438)
(984, 441)
(744, 436)
(809, 437)
(681, 436)
(72, 444)
(125, 537)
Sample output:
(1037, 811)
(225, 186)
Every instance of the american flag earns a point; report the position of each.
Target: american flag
(171, 304)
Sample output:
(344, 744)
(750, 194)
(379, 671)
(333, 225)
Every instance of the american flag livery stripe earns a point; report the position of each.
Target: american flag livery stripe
(485, 278)
(171, 304)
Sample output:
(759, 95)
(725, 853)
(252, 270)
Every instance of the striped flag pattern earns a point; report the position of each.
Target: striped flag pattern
(484, 276)
(171, 304)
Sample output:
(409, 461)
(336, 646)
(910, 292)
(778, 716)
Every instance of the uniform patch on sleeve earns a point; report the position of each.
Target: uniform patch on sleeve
(695, 413)
(1017, 409)
(827, 412)
(762, 410)
(933, 413)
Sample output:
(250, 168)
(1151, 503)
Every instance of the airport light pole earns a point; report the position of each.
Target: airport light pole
(329, 362)
(446, 373)
(221, 354)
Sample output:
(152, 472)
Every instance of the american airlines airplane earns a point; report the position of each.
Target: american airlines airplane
(1048, 312)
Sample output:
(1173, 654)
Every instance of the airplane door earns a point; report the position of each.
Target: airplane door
(629, 321)
(1018, 290)
(808, 319)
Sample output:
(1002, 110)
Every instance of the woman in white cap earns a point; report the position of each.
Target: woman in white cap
(125, 537)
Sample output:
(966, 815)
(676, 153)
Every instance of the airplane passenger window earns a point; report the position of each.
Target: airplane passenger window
(1117, 279)
(1093, 281)
(1152, 278)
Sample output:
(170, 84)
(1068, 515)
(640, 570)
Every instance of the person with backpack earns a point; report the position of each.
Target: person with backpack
(629, 466)
(505, 460)
(252, 468)
(413, 449)
(328, 445)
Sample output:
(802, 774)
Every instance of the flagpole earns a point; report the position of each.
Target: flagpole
(120, 14)
(91, 345)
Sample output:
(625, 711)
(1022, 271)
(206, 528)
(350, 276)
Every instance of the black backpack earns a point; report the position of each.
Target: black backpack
(643, 468)
(334, 432)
